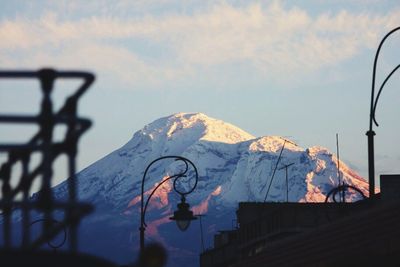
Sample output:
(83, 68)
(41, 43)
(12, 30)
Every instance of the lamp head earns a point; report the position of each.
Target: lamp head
(183, 216)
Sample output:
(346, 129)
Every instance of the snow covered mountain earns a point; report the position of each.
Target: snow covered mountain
(233, 166)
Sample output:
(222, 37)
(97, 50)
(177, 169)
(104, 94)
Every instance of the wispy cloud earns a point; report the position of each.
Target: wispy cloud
(272, 39)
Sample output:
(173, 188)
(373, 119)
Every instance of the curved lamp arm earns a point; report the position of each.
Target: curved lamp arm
(154, 190)
(342, 188)
(373, 103)
(380, 91)
(183, 194)
(175, 177)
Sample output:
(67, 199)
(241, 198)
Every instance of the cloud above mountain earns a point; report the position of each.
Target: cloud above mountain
(270, 38)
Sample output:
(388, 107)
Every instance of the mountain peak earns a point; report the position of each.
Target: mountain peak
(198, 126)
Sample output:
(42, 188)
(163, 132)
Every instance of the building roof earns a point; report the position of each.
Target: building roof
(367, 238)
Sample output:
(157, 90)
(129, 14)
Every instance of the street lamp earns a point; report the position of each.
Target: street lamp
(374, 101)
(183, 216)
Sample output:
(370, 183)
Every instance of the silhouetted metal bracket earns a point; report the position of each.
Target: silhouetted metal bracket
(43, 142)
(342, 188)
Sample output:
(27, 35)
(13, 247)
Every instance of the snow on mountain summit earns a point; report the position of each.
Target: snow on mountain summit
(199, 126)
(233, 166)
(272, 143)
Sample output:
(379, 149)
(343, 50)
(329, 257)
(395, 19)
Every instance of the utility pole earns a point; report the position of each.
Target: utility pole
(287, 182)
(201, 231)
(276, 166)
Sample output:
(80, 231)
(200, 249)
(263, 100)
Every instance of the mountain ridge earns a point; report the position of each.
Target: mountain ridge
(233, 166)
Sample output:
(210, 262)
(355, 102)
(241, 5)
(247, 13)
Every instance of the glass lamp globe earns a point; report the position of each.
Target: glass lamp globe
(183, 216)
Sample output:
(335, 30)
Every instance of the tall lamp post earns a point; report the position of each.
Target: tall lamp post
(183, 216)
(374, 101)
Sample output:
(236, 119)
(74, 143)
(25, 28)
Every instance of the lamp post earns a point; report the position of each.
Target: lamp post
(372, 120)
(183, 216)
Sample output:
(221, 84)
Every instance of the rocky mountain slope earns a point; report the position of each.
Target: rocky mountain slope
(233, 166)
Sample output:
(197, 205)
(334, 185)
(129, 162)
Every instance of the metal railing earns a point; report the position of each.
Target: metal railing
(43, 142)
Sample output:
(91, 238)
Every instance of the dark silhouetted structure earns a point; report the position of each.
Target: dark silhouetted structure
(372, 120)
(16, 199)
(363, 233)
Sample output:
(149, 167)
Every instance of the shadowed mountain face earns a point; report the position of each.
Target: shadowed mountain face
(233, 166)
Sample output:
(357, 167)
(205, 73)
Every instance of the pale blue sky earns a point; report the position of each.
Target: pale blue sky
(292, 68)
